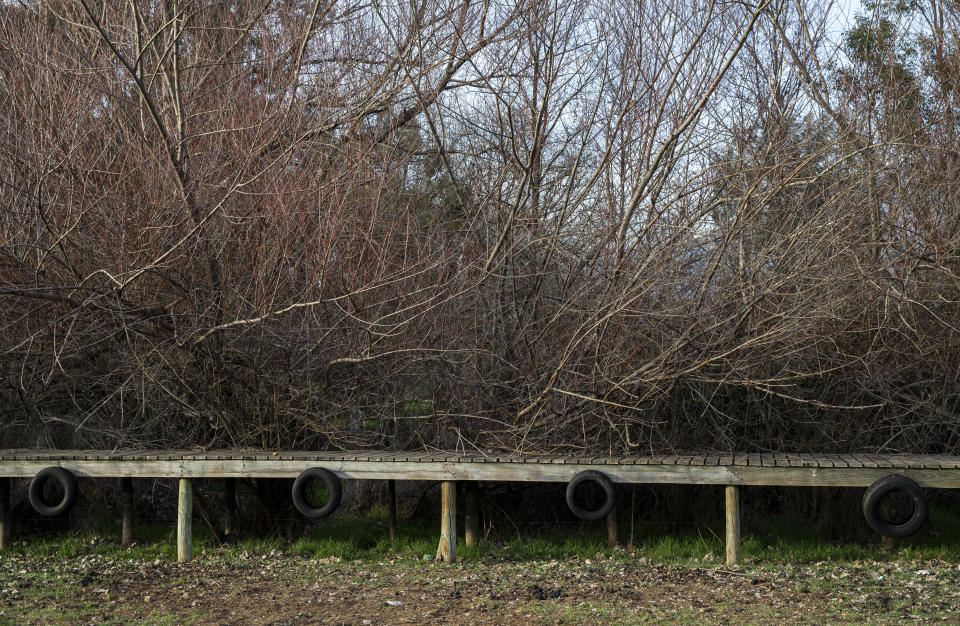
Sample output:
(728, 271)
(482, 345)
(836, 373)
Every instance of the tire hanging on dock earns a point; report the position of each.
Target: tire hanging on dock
(68, 484)
(874, 496)
(303, 483)
(600, 479)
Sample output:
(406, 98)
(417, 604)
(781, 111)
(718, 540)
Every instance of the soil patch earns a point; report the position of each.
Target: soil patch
(292, 589)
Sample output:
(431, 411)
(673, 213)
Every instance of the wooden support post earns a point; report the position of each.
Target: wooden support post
(887, 511)
(612, 528)
(126, 509)
(184, 521)
(471, 513)
(733, 524)
(5, 521)
(229, 509)
(392, 508)
(447, 550)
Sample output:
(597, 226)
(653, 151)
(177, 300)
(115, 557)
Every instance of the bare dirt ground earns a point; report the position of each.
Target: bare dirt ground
(293, 589)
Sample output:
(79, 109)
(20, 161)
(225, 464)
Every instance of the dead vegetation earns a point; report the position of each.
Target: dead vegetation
(526, 226)
(286, 589)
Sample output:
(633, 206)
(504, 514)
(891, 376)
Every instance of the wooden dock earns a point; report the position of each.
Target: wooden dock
(730, 471)
(792, 470)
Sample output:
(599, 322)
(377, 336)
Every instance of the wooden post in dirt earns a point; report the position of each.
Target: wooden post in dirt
(229, 508)
(392, 508)
(733, 524)
(447, 550)
(5, 521)
(889, 544)
(184, 521)
(471, 513)
(612, 527)
(126, 509)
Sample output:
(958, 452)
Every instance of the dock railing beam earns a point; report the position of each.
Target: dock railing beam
(447, 550)
(733, 524)
(185, 521)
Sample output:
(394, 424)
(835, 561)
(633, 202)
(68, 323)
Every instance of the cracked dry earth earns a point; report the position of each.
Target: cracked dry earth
(294, 589)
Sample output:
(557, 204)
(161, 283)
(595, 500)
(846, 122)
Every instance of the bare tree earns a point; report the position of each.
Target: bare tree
(532, 226)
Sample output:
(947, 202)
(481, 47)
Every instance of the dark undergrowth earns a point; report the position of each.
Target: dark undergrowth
(366, 537)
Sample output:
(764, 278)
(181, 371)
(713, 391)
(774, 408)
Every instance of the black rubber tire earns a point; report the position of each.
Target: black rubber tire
(876, 492)
(68, 482)
(605, 483)
(300, 492)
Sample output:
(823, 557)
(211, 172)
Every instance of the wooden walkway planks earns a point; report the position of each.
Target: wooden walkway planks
(731, 469)
(776, 459)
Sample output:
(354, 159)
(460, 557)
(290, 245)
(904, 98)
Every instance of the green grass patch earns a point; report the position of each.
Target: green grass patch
(365, 537)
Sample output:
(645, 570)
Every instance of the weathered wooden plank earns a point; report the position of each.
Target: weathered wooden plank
(852, 461)
(865, 461)
(928, 462)
(838, 460)
(661, 459)
(946, 462)
(812, 470)
(880, 459)
(911, 461)
(544, 472)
